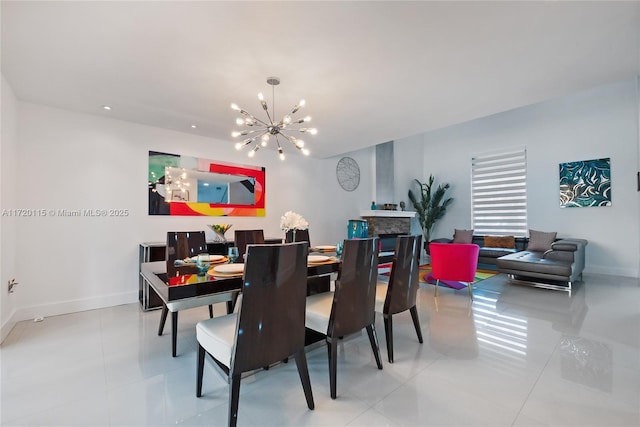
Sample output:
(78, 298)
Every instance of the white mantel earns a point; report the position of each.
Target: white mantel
(387, 213)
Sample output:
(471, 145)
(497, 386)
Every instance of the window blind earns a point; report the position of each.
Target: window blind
(499, 193)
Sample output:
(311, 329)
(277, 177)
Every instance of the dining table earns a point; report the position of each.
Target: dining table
(183, 287)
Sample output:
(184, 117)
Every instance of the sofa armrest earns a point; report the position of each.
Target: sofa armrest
(568, 250)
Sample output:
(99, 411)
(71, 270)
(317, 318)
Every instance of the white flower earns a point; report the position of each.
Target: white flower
(293, 221)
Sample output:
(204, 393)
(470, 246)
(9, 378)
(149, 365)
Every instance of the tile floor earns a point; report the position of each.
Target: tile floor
(516, 356)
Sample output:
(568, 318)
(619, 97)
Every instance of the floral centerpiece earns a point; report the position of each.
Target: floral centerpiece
(219, 230)
(292, 221)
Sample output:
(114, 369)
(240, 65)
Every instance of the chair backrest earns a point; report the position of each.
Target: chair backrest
(355, 296)
(404, 279)
(300, 236)
(454, 261)
(183, 244)
(271, 320)
(242, 238)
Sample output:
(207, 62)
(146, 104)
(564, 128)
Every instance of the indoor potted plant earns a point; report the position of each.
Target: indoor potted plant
(430, 205)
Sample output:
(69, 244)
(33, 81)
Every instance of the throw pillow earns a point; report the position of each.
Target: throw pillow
(540, 241)
(462, 236)
(505, 242)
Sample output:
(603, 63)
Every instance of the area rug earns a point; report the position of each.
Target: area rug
(426, 276)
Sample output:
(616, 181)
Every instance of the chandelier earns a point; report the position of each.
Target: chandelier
(260, 132)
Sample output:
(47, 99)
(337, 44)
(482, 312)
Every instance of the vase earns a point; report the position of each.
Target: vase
(218, 237)
(357, 229)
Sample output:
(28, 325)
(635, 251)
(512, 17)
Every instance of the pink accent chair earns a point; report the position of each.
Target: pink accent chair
(454, 261)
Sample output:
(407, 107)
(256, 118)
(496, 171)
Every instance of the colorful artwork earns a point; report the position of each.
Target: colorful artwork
(585, 183)
(183, 185)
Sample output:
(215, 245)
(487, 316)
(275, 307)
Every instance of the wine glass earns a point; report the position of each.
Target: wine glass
(339, 247)
(203, 263)
(232, 254)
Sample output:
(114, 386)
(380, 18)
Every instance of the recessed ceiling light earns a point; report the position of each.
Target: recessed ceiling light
(193, 126)
(106, 107)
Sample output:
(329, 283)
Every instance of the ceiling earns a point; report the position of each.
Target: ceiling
(370, 72)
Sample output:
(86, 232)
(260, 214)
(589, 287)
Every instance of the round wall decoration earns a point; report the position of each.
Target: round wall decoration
(348, 173)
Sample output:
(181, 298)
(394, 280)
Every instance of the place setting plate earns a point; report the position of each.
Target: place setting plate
(324, 248)
(227, 270)
(318, 259)
(212, 258)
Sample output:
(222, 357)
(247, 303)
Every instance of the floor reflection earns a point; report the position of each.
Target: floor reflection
(452, 330)
(499, 331)
(586, 362)
(566, 313)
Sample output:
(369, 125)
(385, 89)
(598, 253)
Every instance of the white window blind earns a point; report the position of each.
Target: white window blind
(499, 193)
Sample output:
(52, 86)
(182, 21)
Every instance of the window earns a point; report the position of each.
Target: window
(499, 193)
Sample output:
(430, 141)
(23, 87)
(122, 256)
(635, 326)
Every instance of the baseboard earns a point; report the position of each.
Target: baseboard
(612, 271)
(7, 326)
(73, 306)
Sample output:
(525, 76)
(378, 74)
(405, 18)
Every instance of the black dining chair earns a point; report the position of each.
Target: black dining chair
(298, 236)
(269, 326)
(351, 307)
(242, 238)
(181, 245)
(399, 294)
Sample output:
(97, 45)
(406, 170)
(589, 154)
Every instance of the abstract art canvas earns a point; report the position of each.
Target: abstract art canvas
(193, 186)
(585, 183)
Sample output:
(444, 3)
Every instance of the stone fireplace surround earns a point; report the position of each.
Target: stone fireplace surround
(387, 225)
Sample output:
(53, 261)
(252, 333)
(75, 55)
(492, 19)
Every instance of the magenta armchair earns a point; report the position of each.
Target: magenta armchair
(454, 261)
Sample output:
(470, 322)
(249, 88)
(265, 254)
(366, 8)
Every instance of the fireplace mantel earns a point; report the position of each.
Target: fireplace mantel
(387, 213)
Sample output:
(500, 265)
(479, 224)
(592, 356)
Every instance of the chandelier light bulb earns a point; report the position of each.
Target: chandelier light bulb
(313, 131)
(253, 152)
(267, 127)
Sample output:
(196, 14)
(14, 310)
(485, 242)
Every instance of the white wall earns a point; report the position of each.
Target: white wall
(602, 122)
(408, 158)
(68, 160)
(8, 157)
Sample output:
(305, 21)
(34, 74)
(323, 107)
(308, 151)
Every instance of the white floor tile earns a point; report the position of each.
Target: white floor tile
(515, 356)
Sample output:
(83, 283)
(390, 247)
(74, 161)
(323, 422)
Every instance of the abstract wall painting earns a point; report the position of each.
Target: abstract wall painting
(585, 183)
(193, 186)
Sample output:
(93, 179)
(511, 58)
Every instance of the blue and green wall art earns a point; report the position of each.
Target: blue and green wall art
(585, 183)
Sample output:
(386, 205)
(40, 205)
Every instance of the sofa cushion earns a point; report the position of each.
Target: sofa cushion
(494, 252)
(540, 241)
(532, 264)
(462, 236)
(508, 242)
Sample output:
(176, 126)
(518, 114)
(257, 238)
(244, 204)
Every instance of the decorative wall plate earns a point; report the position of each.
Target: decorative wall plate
(348, 173)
